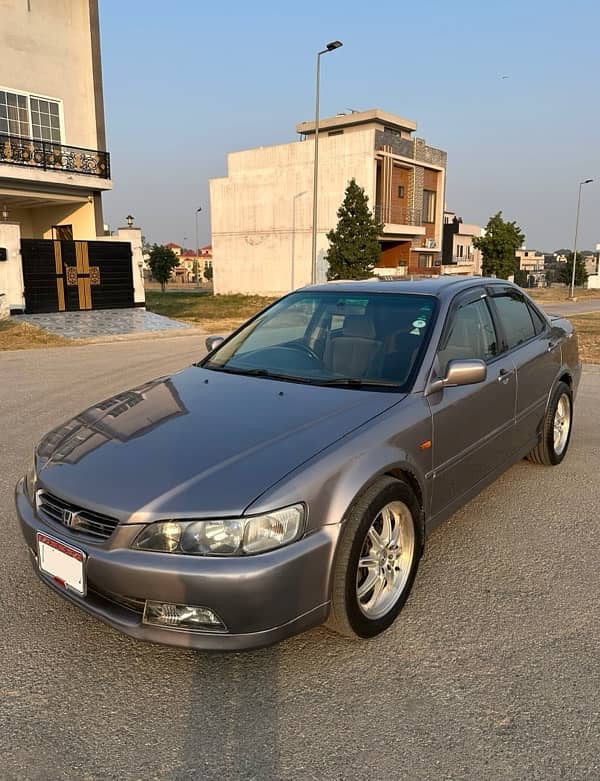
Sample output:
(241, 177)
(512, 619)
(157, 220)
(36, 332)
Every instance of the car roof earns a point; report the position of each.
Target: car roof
(441, 287)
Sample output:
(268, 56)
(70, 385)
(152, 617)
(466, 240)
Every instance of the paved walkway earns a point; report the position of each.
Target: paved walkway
(102, 322)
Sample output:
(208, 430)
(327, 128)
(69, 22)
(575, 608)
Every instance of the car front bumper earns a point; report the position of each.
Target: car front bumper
(261, 599)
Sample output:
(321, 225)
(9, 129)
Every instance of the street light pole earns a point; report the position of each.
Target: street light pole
(586, 181)
(198, 210)
(328, 48)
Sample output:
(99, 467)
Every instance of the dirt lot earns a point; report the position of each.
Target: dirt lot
(212, 313)
(23, 336)
(588, 333)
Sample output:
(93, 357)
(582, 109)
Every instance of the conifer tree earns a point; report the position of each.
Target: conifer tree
(354, 248)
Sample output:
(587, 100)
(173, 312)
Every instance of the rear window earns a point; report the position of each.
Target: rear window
(515, 317)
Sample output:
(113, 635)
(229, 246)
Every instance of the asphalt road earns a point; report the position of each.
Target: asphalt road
(568, 308)
(491, 672)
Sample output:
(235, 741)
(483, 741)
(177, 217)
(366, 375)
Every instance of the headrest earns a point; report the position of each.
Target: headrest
(359, 325)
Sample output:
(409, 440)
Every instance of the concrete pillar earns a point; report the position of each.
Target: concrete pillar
(134, 237)
(11, 269)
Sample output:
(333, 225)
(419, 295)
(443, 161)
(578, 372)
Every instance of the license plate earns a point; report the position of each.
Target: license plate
(64, 564)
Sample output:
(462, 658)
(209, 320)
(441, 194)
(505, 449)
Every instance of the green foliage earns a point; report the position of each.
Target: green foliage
(521, 278)
(498, 247)
(208, 273)
(162, 262)
(566, 270)
(195, 270)
(354, 248)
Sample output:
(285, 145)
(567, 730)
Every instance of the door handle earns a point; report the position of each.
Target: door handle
(505, 375)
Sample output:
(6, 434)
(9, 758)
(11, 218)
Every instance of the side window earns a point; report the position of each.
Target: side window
(471, 335)
(538, 321)
(515, 317)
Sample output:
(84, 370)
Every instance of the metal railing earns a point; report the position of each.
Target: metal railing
(398, 215)
(17, 150)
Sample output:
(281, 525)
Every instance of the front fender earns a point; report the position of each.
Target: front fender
(330, 482)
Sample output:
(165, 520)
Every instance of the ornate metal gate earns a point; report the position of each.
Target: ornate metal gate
(71, 276)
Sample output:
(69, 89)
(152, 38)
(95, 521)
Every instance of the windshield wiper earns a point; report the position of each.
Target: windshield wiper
(356, 382)
(254, 373)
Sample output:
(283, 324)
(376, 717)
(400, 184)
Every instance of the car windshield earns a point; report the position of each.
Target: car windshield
(360, 340)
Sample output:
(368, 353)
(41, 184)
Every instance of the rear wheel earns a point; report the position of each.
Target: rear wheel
(377, 560)
(556, 431)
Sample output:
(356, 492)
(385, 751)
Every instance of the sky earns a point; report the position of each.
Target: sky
(186, 82)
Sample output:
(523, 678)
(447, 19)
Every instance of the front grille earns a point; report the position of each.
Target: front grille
(74, 518)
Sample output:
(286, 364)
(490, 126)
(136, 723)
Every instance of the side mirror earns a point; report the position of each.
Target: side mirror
(213, 341)
(467, 372)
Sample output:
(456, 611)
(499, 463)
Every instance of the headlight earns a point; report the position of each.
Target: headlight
(224, 537)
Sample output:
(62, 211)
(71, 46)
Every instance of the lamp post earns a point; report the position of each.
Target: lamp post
(198, 210)
(328, 48)
(129, 219)
(585, 181)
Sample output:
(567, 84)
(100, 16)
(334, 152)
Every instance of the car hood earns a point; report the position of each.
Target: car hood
(197, 444)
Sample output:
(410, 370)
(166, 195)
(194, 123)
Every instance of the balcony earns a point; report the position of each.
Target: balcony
(48, 156)
(397, 215)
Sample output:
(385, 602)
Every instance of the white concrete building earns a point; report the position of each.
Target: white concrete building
(261, 212)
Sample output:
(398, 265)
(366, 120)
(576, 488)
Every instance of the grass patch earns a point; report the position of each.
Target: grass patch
(24, 336)
(212, 313)
(555, 294)
(588, 335)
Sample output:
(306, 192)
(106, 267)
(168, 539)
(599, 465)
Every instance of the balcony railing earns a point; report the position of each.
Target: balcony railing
(54, 157)
(428, 271)
(398, 215)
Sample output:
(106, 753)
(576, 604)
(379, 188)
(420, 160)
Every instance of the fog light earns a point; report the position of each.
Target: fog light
(199, 619)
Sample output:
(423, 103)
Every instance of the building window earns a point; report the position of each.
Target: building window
(428, 205)
(423, 260)
(30, 116)
(400, 191)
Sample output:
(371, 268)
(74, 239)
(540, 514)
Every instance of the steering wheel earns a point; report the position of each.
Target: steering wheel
(301, 347)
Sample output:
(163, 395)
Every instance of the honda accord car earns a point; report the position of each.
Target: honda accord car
(290, 477)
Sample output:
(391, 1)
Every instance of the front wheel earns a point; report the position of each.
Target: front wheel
(556, 429)
(377, 559)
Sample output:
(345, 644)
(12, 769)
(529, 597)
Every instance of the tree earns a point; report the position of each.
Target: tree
(354, 248)
(195, 270)
(499, 246)
(208, 273)
(566, 270)
(162, 262)
(521, 278)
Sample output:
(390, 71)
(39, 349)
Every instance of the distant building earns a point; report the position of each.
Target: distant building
(176, 249)
(261, 211)
(191, 262)
(533, 263)
(459, 256)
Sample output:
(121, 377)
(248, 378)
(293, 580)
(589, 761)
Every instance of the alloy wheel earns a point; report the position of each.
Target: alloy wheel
(385, 560)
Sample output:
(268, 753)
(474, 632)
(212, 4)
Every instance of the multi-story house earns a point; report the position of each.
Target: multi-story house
(533, 263)
(459, 256)
(54, 164)
(261, 212)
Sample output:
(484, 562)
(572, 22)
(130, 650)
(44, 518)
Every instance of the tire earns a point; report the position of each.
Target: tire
(556, 428)
(361, 605)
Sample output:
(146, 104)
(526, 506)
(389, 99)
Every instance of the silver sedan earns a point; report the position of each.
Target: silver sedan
(290, 477)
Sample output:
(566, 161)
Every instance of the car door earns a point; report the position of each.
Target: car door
(472, 424)
(535, 350)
